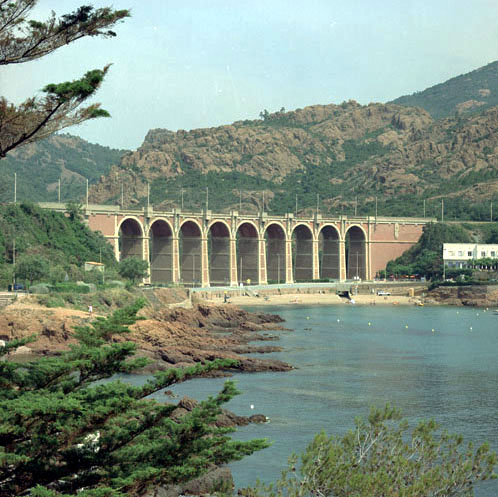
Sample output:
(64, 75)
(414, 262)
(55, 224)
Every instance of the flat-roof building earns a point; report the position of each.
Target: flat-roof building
(460, 255)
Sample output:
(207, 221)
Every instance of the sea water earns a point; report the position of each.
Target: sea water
(432, 362)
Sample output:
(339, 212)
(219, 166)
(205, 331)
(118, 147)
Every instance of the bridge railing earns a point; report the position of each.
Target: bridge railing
(150, 211)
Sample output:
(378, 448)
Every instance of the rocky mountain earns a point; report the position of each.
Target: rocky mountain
(40, 165)
(464, 94)
(345, 157)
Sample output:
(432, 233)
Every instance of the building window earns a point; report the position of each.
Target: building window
(460, 253)
(493, 253)
(452, 252)
(483, 254)
(469, 253)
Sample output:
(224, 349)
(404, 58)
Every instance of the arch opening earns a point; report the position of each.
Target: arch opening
(247, 254)
(328, 253)
(161, 252)
(275, 254)
(355, 253)
(302, 250)
(130, 239)
(190, 254)
(219, 254)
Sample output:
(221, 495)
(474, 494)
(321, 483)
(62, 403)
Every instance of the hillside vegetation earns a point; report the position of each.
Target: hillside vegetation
(333, 155)
(63, 243)
(467, 93)
(40, 165)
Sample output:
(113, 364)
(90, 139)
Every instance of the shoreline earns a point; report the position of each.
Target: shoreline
(316, 299)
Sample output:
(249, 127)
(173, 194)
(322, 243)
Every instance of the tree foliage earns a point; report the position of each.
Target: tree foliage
(65, 431)
(426, 256)
(24, 40)
(381, 458)
(31, 268)
(133, 268)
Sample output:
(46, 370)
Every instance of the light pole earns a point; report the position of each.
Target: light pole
(193, 270)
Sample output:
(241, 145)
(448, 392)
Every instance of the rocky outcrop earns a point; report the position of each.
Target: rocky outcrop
(168, 337)
(476, 296)
(384, 147)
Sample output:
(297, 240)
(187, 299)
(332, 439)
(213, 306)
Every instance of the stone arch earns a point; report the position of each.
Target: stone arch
(161, 251)
(131, 235)
(275, 240)
(356, 260)
(329, 252)
(302, 253)
(219, 253)
(190, 246)
(247, 253)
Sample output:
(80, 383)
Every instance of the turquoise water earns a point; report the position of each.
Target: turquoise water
(345, 365)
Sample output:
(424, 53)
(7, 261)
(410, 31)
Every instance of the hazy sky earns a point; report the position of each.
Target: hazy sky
(201, 63)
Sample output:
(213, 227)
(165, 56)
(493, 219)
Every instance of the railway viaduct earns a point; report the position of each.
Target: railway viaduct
(211, 249)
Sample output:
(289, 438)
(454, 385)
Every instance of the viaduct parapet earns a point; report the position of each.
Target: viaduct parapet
(211, 249)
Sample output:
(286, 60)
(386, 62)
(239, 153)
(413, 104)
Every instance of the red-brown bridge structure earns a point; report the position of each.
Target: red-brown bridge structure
(211, 249)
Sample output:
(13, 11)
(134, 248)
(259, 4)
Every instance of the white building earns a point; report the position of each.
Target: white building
(460, 255)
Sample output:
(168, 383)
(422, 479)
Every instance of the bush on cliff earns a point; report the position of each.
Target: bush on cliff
(380, 458)
(65, 431)
(425, 257)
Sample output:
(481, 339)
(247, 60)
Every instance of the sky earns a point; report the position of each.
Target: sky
(202, 63)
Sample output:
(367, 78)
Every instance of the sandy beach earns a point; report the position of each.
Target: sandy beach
(318, 299)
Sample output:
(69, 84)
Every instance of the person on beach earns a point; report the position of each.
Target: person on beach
(90, 309)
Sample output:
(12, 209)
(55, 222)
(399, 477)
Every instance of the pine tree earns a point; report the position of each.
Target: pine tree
(67, 427)
(381, 458)
(24, 40)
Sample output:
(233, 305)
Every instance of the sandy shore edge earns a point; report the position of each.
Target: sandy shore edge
(317, 299)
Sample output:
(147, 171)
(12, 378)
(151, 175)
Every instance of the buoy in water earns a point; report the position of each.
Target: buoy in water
(470, 328)
(369, 323)
(252, 406)
(338, 320)
(406, 326)
(433, 330)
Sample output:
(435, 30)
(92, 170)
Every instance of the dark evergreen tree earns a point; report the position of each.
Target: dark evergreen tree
(24, 40)
(65, 431)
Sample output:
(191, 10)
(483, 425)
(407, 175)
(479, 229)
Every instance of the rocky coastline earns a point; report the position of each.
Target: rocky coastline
(473, 296)
(169, 336)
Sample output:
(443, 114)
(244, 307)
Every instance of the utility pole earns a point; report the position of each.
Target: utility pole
(240, 201)
(13, 261)
(424, 208)
(15, 188)
(296, 204)
(491, 211)
(356, 205)
(376, 209)
(122, 196)
(207, 198)
(148, 196)
(317, 203)
(182, 198)
(263, 201)
(442, 210)
(59, 192)
(87, 193)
